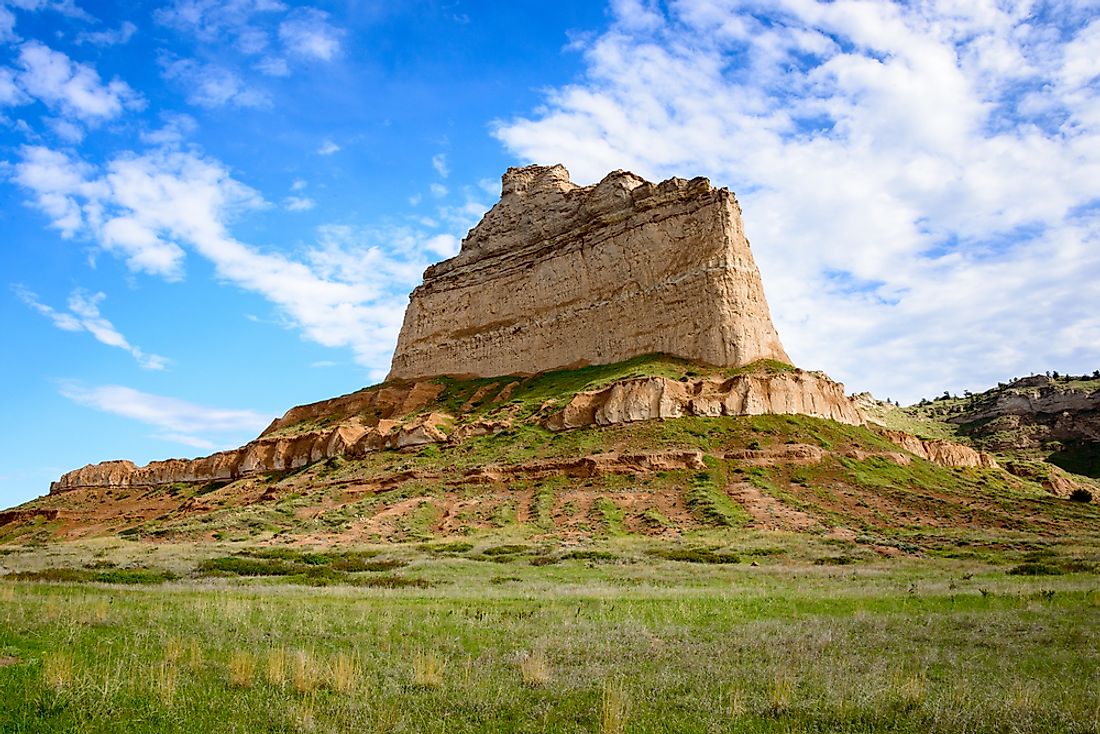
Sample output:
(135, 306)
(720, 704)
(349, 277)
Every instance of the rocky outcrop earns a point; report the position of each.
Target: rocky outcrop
(265, 454)
(1030, 396)
(369, 406)
(944, 453)
(558, 275)
(648, 398)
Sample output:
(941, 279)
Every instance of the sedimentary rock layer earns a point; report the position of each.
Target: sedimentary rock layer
(399, 417)
(558, 275)
(647, 398)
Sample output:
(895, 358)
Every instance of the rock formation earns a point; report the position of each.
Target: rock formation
(558, 275)
(649, 398)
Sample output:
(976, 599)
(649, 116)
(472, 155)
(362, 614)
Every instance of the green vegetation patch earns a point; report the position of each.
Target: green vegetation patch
(695, 555)
(106, 576)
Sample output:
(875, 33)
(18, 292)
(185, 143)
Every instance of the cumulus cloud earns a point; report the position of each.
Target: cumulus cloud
(306, 33)
(347, 290)
(72, 88)
(916, 179)
(83, 315)
(176, 420)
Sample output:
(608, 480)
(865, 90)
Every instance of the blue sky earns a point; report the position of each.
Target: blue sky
(212, 211)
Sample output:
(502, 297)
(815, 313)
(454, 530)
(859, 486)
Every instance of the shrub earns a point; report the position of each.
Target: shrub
(695, 555)
(1034, 569)
(1080, 495)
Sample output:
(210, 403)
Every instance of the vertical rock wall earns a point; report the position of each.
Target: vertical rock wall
(558, 275)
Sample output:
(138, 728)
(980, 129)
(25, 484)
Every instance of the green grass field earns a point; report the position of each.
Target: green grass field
(761, 633)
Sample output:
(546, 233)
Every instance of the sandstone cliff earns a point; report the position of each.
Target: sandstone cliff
(559, 275)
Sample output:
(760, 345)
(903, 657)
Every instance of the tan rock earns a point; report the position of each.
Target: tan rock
(649, 398)
(944, 453)
(558, 275)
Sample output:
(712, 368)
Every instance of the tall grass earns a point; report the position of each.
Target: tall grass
(344, 673)
(275, 667)
(427, 670)
(242, 669)
(58, 670)
(534, 669)
(615, 708)
(306, 675)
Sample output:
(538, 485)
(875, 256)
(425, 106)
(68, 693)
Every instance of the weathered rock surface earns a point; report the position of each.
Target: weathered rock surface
(558, 275)
(648, 398)
(944, 453)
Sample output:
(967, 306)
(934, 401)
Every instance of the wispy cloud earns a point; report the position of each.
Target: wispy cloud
(210, 85)
(307, 33)
(439, 163)
(328, 148)
(918, 179)
(298, 203)
(111, 37)
(83, 315)
(176, 420)
(348, 289)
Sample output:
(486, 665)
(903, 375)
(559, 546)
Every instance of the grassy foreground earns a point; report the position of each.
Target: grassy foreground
(616, 639)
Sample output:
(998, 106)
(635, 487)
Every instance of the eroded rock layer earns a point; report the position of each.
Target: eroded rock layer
(646, 398)
(408, 415)
(558, 275)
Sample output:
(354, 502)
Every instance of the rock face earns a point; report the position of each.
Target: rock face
(944, 453)
(558, 275)
(649, 398)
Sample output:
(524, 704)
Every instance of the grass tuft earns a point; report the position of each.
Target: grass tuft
(242, 669)
(534, 669)
(615, 708)
(427, 670)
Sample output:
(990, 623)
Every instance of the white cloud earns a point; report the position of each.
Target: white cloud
(273, 66)
(115, 37)
(176, 128)
(347, 290)
(83, 315)
(72, 88)
(176, 420)
(918, 180)
(439, 163)
(210, 85)
(438, 190)
(415, 199)
(328, 148)
(306, 33)
(213, 21)
(10, 93)
(7, 25)
(298, 184)
(298, 203)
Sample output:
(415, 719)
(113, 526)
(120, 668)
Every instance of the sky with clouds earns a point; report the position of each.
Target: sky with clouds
(214, 210)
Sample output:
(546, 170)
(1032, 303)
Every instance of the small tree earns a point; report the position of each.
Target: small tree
(1080, 495)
